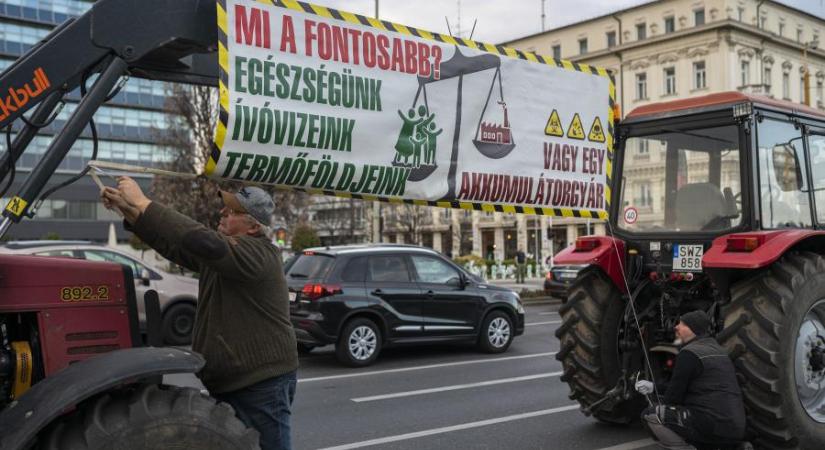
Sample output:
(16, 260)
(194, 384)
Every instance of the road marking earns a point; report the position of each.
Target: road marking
(429, 366)
(455, 387)
(463, 426)
(548, 313)
(541, 323)
(631, 445)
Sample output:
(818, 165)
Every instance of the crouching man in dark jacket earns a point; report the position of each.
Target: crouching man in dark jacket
(703, 403)
(242, 325)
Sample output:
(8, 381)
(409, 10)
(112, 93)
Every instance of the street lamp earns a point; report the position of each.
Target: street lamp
(806, 74)
(377, 220)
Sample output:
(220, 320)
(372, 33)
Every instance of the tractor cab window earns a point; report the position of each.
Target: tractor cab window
(682, 180)
(816, 149)
(783, 182)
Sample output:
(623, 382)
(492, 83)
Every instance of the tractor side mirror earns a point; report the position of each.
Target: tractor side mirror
(787, 168)
(145, 276)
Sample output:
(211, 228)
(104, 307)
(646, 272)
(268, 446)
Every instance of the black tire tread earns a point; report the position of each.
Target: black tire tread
(755, 320)
(111, 419)
(581, 347)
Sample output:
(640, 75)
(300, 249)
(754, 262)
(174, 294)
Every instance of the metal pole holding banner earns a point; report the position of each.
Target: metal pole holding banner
(376, 206)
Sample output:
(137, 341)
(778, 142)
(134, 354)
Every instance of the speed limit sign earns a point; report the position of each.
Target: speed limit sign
(630, 215)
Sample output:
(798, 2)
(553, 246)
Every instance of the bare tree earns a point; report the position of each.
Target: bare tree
(408, 219)
(193, 112)
(341, 220)
(291, 207)
(189, 138)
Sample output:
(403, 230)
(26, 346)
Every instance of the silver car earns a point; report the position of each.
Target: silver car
(178, 294)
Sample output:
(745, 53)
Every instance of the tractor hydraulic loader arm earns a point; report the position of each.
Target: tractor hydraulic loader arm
(169, 40)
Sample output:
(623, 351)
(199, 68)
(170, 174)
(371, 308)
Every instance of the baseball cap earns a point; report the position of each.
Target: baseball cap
(252, 200)
(697, 321)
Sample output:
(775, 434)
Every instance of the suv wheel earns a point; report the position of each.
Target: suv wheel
(359, 343)
(178, 323)
(496, 333)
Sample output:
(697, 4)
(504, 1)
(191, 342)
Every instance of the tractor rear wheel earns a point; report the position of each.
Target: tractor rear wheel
(775, 332)
(589, 351)
(151, 416)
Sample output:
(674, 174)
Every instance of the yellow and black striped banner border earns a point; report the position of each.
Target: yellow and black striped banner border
(357, 19)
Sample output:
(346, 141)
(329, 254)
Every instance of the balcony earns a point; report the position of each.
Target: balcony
(756, 89)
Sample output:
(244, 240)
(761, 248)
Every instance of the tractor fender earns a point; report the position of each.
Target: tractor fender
(605, 252)
(49, 398)
(771, 245)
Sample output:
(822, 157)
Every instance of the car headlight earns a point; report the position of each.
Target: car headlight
(519, 306)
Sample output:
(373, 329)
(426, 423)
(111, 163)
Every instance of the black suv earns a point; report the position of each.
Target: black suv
(364, 297)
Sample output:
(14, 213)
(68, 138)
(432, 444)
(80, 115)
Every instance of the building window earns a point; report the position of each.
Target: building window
(745, 71)
(802, 89)
(786, 86)
(557, 52)
(641, 86)
(819, 93)
(766, 79)
(799, 35)
(670, 24)
(670, 80)
(781, 29)
(645, 198)
(611, 39)
(582, 46)
(699, 75)
(699, 17)
(741, 11)
(763, 22)
(644, 146)
(641, 31)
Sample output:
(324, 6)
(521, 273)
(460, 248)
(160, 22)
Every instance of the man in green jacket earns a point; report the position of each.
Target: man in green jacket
(242, 325)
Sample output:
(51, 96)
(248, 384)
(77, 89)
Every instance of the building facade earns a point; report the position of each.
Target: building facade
(657, 51)
(127, 126)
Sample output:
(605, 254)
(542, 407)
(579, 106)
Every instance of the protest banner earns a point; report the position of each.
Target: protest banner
(336, 103)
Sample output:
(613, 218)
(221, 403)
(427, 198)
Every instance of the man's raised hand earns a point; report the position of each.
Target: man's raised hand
(644, 387)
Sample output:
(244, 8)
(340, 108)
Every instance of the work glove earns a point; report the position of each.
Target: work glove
(644, 387)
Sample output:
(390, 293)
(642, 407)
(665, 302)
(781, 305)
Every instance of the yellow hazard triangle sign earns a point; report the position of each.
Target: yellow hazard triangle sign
(576, 131)
(553, 127)
(596, 132)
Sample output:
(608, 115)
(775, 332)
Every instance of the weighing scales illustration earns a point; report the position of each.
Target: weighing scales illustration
(416, 144)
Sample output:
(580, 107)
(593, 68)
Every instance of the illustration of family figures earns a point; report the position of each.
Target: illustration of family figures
(417, 138)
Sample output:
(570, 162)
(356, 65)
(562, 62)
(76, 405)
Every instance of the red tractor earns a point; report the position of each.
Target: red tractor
(717, 204)
(74, 373)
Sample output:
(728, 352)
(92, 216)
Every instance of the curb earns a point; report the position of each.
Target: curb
(541, 301)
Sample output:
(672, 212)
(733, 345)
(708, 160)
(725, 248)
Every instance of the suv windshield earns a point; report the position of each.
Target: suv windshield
(681, 180)
(310, 266)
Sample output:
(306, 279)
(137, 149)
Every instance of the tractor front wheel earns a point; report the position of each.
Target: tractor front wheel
(592, 320)
(151, 416)
(775, 332)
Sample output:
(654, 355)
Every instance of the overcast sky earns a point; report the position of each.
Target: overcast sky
(502, 20)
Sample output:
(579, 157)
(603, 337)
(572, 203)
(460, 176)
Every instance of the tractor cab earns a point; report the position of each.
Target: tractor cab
(717, 204)
(690, 171)
(717, 164)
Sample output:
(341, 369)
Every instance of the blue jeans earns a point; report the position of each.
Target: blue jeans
(265, 406)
